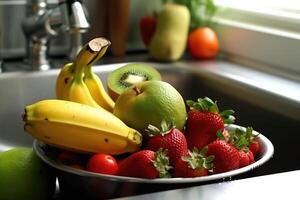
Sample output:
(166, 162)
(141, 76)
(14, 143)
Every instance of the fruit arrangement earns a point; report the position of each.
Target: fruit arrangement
(146, 132)
(177, 25)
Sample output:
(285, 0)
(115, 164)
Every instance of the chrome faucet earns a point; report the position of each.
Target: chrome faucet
(43, 23)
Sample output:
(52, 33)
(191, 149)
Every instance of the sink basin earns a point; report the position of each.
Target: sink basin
(267, 113)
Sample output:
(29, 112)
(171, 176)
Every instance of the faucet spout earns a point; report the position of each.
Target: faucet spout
(76, 23)
(78, 20)
(43, 23)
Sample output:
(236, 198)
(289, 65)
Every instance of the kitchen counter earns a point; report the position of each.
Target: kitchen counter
(277, 186)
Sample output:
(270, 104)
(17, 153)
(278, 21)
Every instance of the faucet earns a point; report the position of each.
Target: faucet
(42, 23)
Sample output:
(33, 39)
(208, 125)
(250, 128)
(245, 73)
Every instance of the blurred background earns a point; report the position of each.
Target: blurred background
(262, 34)
(108, 18)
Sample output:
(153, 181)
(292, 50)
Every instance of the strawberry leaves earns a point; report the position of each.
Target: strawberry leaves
(198, 160)
(207, 105)
(161, 163)
(240, 138)
(227, 116)
(165, 129)
(203, 104)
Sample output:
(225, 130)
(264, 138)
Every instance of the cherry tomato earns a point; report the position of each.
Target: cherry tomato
(102, 163)
(203, 43)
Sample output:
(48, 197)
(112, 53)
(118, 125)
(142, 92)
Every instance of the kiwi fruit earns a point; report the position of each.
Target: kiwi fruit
(124, 77)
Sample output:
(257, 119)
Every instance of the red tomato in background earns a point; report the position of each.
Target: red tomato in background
(203, 43)
(103, 163)
(147, 28)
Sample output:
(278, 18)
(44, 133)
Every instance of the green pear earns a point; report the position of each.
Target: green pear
(170, 37)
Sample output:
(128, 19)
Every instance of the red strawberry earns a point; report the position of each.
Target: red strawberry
(246, 158)
(203, 122)
(168, 138)
(254, 147)
(226, 156)
(194, 164)
(145, 164)
(147, 28)
(244, 139)
(241, 140)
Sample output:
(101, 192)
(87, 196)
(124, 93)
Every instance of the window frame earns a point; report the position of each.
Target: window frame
(266, 40)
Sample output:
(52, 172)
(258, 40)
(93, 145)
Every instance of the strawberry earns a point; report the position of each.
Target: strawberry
(203, 122)
(147, 28)
(194, 164)
(241, 139)
(244, 140)
(168, 138)
(226, 156)
(145, 164)
(254, 147)
(245, 158)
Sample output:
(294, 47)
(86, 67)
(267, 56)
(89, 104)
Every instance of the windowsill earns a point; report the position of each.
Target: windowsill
(266, 40)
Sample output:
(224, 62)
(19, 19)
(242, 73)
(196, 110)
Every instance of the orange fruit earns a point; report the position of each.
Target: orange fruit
(203, 43)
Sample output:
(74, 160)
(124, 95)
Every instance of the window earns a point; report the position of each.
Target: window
(287, 6)
(265, 32)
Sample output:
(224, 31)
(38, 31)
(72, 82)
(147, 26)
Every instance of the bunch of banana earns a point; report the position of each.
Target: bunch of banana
(78, 127)
(80, 119)
(76, 81)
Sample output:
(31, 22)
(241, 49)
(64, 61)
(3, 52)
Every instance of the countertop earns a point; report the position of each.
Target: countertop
(277, 186)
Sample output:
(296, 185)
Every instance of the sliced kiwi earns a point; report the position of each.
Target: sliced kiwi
(124, 77)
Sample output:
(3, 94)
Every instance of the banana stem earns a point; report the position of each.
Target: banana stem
(88, 68)
(89, 54)
(99, 56)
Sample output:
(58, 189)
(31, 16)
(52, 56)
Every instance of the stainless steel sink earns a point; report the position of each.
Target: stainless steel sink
(268, 112)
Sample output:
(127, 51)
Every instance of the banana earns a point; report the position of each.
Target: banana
(78, 127)
(86, 56)
(98, 92)
(77, 91)
(76, 82)
(65, 75)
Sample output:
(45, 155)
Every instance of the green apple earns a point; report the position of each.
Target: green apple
(151, 102)
(24, 176)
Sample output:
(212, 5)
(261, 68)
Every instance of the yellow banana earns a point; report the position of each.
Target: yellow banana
(79, 127)
(98, 92)
(75, 89)
(65, 75)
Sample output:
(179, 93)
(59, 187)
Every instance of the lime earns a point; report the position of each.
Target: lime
(151, 102)
(24, 176)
